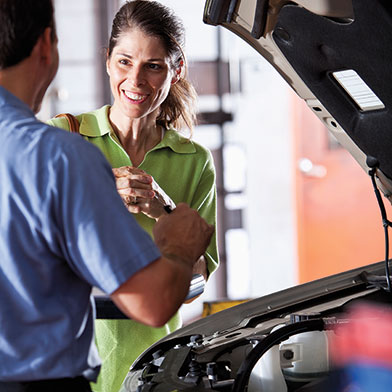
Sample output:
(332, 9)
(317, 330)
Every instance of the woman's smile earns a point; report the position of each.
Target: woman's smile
(135, 98)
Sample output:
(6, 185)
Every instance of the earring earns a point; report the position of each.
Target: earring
(179, 68)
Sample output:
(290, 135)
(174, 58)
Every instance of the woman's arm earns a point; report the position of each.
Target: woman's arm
(204, 202)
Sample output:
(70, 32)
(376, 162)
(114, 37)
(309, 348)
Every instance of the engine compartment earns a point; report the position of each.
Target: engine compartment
(280, 350)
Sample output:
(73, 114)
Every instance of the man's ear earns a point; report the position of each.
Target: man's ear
(44, 47)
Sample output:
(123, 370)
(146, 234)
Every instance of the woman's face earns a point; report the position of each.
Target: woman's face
(140, 74)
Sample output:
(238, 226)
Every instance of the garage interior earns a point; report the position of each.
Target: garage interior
(275, 161)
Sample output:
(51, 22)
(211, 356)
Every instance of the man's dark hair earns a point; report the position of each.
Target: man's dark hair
(22, 22)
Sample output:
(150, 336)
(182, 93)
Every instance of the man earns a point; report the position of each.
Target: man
(64, 228)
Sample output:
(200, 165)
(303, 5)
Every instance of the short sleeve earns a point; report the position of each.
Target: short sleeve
(102, 241)
(204, 201)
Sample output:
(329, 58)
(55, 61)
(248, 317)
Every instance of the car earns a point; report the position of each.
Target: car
(281, 342)
(274, 343)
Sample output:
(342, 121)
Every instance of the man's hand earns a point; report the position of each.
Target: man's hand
(182, 235)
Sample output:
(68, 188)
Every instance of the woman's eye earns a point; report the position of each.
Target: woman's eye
(124, 62)
(154, 66)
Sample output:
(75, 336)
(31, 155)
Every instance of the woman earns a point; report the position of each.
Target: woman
(139, 136)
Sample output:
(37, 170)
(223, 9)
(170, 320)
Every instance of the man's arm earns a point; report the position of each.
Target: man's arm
(155, 293)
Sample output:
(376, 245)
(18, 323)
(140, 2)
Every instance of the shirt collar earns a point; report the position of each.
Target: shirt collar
(96, 124)
(9, 99)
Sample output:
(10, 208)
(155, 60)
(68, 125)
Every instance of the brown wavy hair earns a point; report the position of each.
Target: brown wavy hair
(154, 19)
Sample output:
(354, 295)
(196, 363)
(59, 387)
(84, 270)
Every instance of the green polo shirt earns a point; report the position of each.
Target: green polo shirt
(185, 171)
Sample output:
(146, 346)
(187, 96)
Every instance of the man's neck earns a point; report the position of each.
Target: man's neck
(19, 81)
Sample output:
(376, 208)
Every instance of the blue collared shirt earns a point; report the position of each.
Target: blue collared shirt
(63, 229)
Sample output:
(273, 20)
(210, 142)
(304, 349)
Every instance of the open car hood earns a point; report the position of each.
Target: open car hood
(221, 352)
(335, 55)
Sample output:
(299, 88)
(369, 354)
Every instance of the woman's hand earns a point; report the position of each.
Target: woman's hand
(140, 193)
(200, 267)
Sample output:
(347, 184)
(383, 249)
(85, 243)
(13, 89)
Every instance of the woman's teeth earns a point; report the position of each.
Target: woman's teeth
(134, 97)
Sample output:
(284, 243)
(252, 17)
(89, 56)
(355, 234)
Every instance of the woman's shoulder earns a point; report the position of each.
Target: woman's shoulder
(62, 122)
(58, 122)
(185, 144)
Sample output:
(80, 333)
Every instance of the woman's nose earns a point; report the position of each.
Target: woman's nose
(136, 76)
